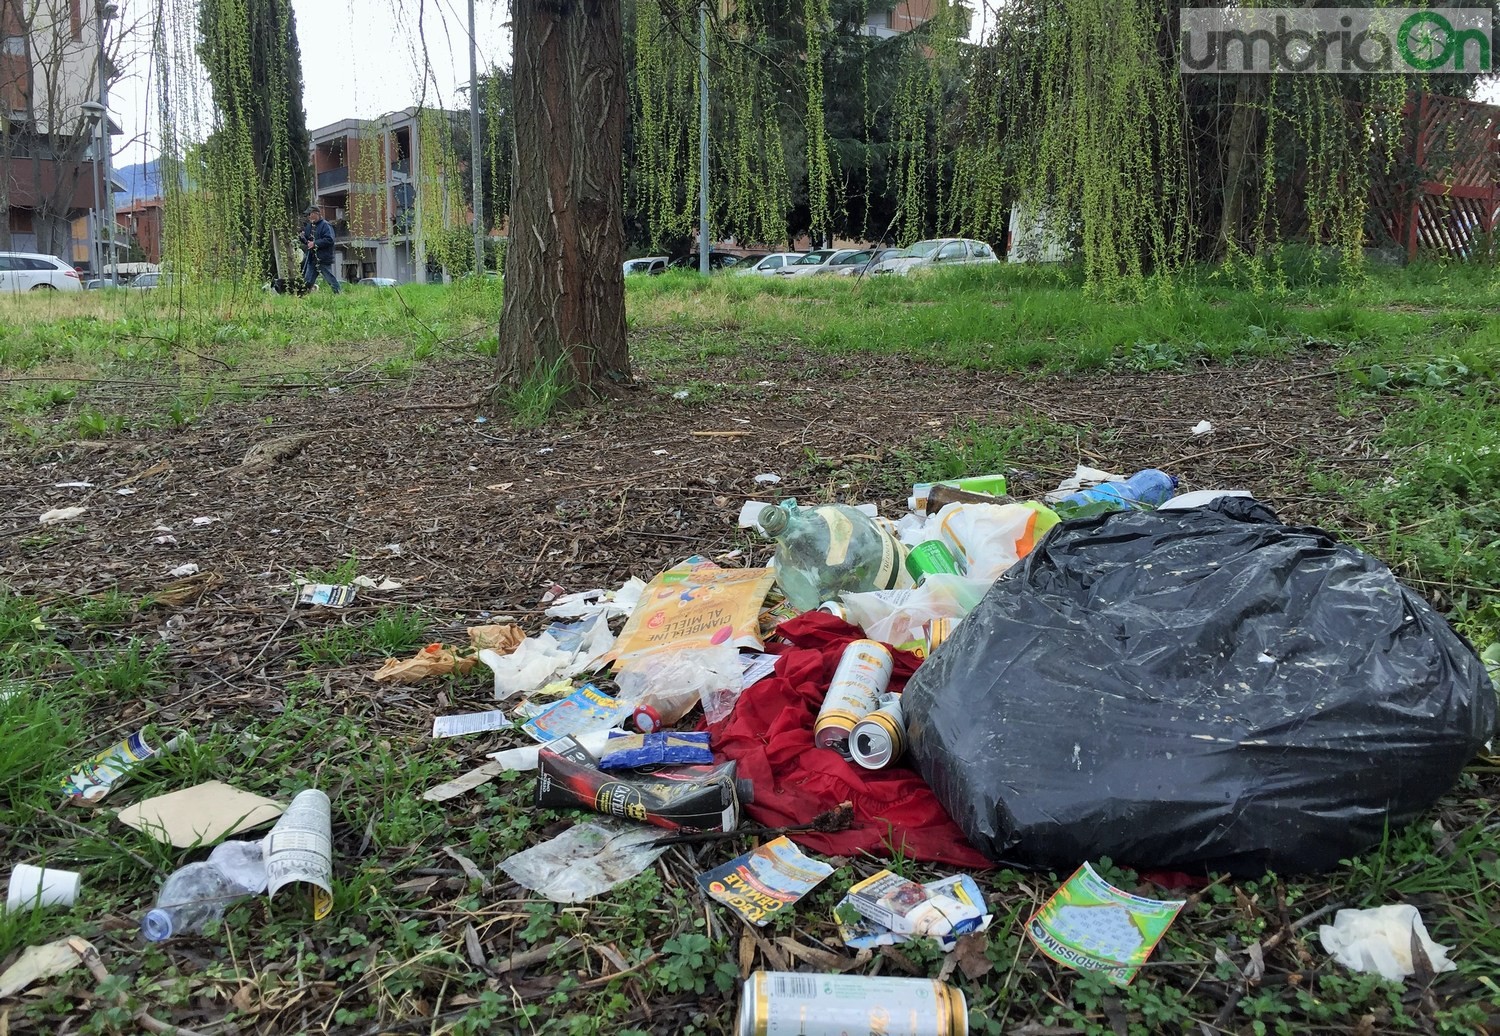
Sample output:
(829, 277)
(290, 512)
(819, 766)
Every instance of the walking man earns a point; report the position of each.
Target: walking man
(317, 244)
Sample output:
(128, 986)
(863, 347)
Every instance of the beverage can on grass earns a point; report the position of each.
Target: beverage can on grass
(880, 738)
(783, 1003)
(858, 684)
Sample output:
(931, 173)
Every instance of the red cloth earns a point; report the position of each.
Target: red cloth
(770, 736)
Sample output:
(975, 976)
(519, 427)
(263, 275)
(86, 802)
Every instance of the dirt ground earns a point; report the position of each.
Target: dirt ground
(473, 514)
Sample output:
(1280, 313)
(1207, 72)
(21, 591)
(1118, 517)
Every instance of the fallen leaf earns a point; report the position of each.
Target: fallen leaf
(471, 944)
(472, 872)
(970, 953)
(822, 958)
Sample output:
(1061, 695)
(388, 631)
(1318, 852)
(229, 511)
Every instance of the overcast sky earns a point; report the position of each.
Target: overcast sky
(360, 58)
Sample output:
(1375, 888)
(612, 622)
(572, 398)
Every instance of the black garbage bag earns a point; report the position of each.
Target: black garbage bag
(1203, 688)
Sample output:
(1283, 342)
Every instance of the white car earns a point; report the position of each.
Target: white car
(937, 254)
(818, 259)
(652, 264)
(31, 271)
(767, 264)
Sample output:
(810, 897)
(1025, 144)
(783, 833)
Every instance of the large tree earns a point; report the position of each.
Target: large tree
(564, 312)
(258, 162)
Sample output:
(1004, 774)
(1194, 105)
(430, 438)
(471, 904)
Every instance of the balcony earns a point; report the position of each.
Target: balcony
(331, 178)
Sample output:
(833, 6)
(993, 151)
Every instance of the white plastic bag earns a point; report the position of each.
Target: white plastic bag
(672, 682)
(989, 538)
(585, 861)
(539, 660)
(897, 616)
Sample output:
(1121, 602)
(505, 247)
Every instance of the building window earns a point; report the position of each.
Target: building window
(14, 46)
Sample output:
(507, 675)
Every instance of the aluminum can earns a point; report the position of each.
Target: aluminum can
(858, 686)
(880, 738)
(783, 1003)
(931, 557)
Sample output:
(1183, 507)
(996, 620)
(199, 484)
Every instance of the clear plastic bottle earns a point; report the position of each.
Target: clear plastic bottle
(1148, 488)
(201, 892)
(822, 552)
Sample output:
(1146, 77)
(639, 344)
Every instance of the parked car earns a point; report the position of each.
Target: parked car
(651, 264)
(149, 281)
(32, 271)
(766, 265)
(937, 254)
(811, 262)
(857, 264)
(104, 282)
(377, 282)
(716, 261)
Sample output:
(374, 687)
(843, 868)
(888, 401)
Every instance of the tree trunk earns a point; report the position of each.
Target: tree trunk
(1244, 134)
(564, 288)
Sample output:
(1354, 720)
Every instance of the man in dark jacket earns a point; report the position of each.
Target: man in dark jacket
(317, 247)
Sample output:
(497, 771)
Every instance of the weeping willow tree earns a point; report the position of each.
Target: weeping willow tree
(443, 230)
(256, 158)
(751, 191)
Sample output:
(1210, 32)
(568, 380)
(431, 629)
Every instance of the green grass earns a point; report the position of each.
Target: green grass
(392, 633)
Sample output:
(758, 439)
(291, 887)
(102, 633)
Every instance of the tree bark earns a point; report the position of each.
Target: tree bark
(564, 288)
(1244, 135)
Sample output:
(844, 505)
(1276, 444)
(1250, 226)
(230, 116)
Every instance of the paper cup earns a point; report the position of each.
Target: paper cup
(36, 886)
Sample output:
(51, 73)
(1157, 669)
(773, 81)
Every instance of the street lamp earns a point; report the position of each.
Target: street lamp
(99, 113)
(107, 12)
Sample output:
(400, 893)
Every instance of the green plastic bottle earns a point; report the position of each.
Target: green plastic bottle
(824, 551)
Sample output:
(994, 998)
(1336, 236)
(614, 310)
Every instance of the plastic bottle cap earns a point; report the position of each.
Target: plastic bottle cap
(646, 719)
(156, 926)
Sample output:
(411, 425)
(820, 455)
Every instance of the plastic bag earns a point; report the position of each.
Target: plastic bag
(990, 538)
(585, 861)
(672, 682)
(899, 616)
(1196, 688)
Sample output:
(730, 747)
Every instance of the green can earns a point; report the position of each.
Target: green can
(931, 557)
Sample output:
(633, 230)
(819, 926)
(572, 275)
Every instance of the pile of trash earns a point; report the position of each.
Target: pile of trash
(1174, 682)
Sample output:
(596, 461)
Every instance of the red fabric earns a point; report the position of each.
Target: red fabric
(770, 736)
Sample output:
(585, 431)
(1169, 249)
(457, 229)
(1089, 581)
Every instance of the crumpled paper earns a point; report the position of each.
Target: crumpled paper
(585, 861)
(432, 660)
(1379, 940)
(61, 514)
(504, 639)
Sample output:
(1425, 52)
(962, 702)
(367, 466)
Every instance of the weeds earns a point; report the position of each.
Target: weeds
(539, 395)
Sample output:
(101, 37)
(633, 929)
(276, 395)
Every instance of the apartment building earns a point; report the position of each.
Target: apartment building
(903, 17)
(50, 166)
(364, 172)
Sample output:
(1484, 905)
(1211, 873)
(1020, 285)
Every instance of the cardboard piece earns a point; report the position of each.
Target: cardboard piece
(200, 815)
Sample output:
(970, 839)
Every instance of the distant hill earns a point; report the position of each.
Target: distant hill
(141, 180)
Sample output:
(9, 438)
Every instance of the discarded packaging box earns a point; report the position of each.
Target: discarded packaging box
(687, 798)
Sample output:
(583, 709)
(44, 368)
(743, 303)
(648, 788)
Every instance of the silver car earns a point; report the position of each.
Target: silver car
(936, 254)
